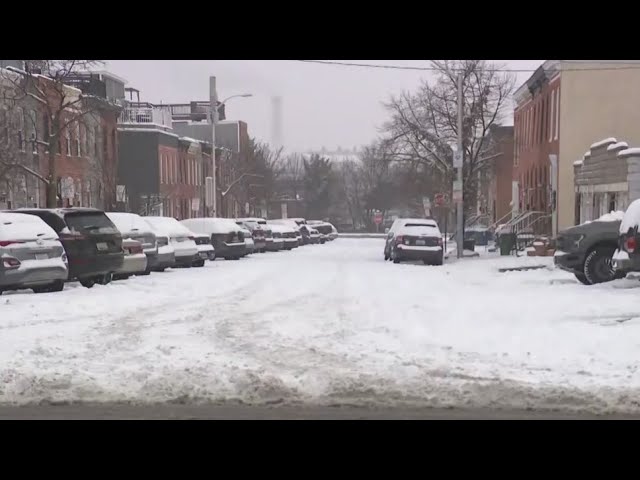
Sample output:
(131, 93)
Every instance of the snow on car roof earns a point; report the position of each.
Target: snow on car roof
(22, 226)
(167, 225)
(127, 222)
(280, 228)
(419, 230)
(631, 217)
(211, 225)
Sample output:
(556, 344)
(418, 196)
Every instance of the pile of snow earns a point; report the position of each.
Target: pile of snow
(168, 226)
(128, 222)
(612, 216)
(615, 146)
(629, 152)
(578, 163)
(604, 142)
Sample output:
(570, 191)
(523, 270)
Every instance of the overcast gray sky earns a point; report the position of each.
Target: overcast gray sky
(323, 105)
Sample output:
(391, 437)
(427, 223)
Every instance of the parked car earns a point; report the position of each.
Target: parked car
(258, 235)
(206, 251)
(415, 239)
(135, 260)
(226, 236)
(31, 255)
(91, 241)
(334, 233)
(586, 250)
(325, 229)
(293, 223)
(277, 243)
(249, 243)
(314, 235)
(180, 238)
(166, 253)
(627, 255)
(288, 235)
(134, 227)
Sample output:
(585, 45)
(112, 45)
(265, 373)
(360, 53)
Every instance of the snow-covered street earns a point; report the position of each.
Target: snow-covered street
(331, 324)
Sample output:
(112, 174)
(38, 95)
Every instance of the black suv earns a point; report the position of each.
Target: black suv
(586, 251)
(91, 241)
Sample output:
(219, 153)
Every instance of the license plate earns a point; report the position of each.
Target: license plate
(102, 246)
(41, 256)
(421, 242)
(203, 255)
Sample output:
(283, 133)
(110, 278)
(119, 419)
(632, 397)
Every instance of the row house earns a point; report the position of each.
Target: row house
(160, 172)
(560, 110)
(236, 195)
(86, 152)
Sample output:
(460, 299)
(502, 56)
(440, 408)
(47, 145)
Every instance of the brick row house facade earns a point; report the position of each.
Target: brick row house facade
(561, 110)
(86, 152)
(160, 172)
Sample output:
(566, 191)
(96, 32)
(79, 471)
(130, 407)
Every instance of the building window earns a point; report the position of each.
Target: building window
(612, 202)
(67, 137)
(96, 143)
(46, 131)
(33, 121)
(22, 141)
(553, 114)
(78, 152)
(557, 114)
(87, 141)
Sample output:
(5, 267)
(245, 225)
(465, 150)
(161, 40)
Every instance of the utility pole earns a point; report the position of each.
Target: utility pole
(457, 190)
(213, 99)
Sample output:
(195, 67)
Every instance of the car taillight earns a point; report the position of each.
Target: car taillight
(135, 249)
(6, 243)
(10, 262)
(440, 241)
(399, 239)
(192, 238)
(630, 244)
(64, 258)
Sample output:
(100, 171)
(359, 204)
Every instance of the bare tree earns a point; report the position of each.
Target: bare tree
(423, 125)
(45, 84)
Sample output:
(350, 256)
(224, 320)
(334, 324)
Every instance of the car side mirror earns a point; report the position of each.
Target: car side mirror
(386, 230)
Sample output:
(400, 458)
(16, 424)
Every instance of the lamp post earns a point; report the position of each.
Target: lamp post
(214, 105)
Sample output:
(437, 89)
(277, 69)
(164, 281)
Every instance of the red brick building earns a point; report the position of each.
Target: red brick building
(536, 127)
(501, 173)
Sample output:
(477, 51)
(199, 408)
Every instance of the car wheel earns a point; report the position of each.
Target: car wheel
(439, 261)
(582, 278)
(87, 282)
(199, 264)
(145, 273)
(598, 266)
(394, 257)
(105, 279)
(426, 262)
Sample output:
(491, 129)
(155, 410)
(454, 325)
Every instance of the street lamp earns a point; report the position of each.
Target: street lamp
(214, 105)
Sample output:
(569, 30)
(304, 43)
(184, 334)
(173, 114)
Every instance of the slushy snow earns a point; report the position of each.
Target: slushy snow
(331, 324)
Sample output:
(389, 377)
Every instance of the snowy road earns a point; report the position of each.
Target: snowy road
(330, 325)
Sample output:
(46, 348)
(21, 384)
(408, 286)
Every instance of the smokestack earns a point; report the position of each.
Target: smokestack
(276, 122)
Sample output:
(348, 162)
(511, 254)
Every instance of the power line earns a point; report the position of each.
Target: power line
(431, 69)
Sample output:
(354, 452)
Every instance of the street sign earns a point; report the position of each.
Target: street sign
(377, 218)
(457, 159)
(457, 186)
(195, 204)
(457, 196)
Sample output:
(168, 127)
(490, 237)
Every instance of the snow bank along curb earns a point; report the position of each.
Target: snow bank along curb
(362, 235)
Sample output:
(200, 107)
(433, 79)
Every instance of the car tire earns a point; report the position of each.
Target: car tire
(598, 266)
(199, 264)
(144, 274)
(88, 282)
(56, 286)
(439, 261)
(394, 258)
(105, 279)
(582, 278)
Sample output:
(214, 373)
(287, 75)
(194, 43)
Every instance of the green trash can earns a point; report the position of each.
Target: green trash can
(507, 243)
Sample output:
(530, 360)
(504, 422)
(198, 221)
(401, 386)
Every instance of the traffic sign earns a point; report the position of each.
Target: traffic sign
(457, 196)
(377, 218)
(457, 159)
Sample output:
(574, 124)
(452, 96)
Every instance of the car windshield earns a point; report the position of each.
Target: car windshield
(90, 222)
